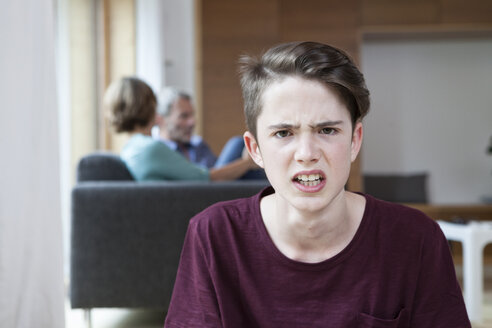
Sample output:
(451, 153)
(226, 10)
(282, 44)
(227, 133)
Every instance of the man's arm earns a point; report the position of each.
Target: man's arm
(233, 170)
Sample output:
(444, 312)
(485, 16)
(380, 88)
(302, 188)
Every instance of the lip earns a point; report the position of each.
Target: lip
(309, 189)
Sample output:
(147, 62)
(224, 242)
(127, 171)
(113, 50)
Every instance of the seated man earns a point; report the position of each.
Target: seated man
(176, 122)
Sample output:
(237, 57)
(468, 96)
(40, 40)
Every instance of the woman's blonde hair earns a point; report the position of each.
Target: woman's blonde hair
(130, 103)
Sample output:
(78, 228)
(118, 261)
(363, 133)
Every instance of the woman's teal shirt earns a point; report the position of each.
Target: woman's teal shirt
(149, 159)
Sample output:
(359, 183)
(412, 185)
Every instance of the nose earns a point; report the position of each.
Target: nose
(307, 150)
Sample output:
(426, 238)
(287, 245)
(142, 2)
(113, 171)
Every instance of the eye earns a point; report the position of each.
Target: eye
(282, 134)
(328, 131)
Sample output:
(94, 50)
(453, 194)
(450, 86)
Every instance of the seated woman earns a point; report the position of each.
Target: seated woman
(131, 104)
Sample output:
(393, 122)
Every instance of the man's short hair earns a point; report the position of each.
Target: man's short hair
(310, 60)
(130, 103)
(167, 97)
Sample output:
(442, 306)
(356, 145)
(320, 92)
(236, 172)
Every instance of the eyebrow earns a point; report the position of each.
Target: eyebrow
(327, 123)
(281, 126)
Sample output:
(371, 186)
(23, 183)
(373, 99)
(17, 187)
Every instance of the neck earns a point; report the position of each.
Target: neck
(313, 237)
(163, 134)
(145, 130)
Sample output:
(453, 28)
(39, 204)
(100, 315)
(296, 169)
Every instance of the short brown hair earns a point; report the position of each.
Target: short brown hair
(310, 60)
(131, 103)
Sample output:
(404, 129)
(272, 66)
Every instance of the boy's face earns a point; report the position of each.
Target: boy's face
(305, 143)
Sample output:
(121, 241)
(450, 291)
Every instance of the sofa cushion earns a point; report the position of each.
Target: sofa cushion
(102, 166)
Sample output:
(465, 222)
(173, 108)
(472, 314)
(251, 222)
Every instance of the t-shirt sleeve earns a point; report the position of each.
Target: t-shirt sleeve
(194, 302)
(164, 163)
(438, 298)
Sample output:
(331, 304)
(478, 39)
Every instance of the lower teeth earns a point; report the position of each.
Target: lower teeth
(310, 183)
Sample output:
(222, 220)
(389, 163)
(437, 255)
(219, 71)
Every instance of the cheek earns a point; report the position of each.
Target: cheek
(268, 157)
(275, 152)
(341, 155)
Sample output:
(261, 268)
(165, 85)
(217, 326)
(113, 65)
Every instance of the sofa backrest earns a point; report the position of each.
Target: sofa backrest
(102, 166)
(402, 188)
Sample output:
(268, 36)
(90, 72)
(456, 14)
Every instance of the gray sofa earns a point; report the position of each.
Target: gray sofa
(126, 236)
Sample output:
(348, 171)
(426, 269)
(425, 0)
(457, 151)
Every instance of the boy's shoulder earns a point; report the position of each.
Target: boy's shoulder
(225, 209)
(236, 213)
(399, 216)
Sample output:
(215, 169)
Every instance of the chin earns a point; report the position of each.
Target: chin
(315, 202)
(310, 205)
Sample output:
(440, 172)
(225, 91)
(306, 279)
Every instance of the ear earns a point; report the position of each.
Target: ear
(357, 137)
(253, 148)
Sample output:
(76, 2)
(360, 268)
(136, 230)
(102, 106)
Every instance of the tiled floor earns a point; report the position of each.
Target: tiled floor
(115, 318)
(487, 299)
(125, 318)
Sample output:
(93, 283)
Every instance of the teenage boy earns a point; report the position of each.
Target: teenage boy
(306, 252)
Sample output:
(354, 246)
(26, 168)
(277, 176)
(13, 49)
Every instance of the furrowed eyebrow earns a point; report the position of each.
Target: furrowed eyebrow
(326, 123)
(282, 126)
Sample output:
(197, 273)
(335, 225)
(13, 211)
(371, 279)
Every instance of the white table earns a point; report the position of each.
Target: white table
(474, 236)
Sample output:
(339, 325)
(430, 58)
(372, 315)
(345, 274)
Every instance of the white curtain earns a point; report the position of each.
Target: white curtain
(31, 268)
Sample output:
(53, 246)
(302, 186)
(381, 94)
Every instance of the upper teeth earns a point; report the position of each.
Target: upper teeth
(311, 177)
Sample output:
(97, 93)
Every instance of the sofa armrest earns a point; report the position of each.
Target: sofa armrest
(127, 237)
(102, 166)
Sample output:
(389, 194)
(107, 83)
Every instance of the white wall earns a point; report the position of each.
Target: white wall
(165, 43)
(431, 111)
(179, 44)
(150, 42)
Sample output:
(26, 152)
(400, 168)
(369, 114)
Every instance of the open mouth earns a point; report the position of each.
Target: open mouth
(309, 180)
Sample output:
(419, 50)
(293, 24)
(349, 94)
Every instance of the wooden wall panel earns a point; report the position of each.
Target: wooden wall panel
(425, 12)
(328, 21)
(83, 116)
(230, 29)
(229, 20)
(391, 12)
(466, 12)
(121, 54)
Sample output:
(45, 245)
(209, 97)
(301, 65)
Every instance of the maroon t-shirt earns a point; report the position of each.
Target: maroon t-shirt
(396, 272)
